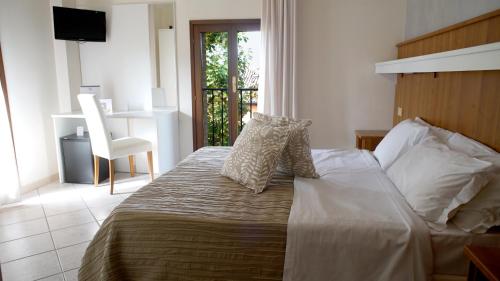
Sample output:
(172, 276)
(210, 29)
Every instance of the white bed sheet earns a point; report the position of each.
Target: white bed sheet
(448, 248)
(353, 224)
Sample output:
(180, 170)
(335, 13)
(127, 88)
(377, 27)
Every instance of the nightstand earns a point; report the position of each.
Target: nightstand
(484, 263)
(369, 139)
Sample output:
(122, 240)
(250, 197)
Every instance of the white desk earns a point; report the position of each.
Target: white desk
(160, 126)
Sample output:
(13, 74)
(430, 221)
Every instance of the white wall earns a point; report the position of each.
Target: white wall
(67, 63)
(187, 10)
(163, 18)
(122, 64)
(167, 69)
(339, 42)
(425, 16)
(27, 45)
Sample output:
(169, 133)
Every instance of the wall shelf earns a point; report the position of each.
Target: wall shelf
(482, 57)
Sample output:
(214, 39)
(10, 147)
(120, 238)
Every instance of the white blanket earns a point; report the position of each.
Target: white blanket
(353, 224)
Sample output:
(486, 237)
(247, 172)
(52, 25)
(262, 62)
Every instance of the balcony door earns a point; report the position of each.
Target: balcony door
(225, 67)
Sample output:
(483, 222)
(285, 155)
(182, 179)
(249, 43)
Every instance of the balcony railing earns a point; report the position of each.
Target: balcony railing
(215, 103)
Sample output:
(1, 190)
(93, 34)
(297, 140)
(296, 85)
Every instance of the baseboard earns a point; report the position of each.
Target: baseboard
(39, 183)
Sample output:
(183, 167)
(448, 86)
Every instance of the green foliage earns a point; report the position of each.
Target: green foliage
(216, 50)
(217, 77)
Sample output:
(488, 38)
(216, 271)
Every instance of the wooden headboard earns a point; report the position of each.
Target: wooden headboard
(466, 102)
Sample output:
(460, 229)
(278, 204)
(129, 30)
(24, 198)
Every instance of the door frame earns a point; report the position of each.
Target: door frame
(7, 107)
(196, 27)
(3, 81)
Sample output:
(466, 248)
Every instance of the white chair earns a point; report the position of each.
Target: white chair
(102, 144)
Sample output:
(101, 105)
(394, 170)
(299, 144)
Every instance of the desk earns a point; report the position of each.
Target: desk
(160, 126)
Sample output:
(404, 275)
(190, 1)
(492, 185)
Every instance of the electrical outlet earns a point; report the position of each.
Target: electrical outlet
(400, 111)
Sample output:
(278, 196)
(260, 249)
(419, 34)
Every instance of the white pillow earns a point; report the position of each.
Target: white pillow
(443, 134)
(436, 180)
(469, 146)
(483, 211)
(399, 139)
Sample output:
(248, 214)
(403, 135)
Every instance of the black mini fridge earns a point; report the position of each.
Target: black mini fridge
(79, 160)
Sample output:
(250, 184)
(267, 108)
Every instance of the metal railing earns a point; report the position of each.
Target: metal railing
(215, 103)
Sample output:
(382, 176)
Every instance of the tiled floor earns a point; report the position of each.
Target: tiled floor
(44, 236)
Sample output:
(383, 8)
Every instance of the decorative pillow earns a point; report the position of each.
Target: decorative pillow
(296, 158)
(436, 180)
(443, 134)
(254, 156)
(399, 139)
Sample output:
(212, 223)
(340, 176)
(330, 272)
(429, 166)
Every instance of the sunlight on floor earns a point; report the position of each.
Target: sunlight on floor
(45, 234)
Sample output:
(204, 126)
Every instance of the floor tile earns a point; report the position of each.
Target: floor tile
(125, 195)
(101, 198)
(69, 219)
(71, 257)
(131, 186)
(22, 229)
(25, 241)
(64, 206)
(102, 212)
(24, 247)
(74, 235)
(57, 277)
(30, 198)
(58, 195)
(55, 187)
(71, 275)
(20, 214)
(31, 268)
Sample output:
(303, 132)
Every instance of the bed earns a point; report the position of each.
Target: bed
(447, 247)
(193, 224)
(352, 224)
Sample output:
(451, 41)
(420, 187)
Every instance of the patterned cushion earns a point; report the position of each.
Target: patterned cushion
(254, 157)
(296, 158)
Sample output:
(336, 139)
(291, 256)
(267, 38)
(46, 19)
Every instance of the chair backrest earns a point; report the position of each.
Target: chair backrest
(100, 138)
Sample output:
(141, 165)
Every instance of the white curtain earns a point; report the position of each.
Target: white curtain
(277, 94)
(9, 179)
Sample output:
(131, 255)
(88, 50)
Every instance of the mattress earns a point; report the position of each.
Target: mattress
(448, 248)
(194, 224)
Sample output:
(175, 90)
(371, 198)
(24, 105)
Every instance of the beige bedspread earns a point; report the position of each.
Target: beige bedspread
(194, 224)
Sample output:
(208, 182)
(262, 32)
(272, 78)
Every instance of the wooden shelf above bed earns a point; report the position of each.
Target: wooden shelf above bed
(471, 45)
(483, 57)
(467, 102)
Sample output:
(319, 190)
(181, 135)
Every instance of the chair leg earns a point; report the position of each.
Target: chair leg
(111, 175)
(131, 164)
(96, 170)
(150, 165)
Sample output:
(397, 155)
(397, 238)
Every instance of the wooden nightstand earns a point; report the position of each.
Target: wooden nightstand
(484, 263)
(369, 139)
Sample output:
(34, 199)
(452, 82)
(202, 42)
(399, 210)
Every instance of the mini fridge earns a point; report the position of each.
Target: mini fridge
(79, 161)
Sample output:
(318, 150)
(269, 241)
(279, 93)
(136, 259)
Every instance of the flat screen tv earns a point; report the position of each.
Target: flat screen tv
(79, 25)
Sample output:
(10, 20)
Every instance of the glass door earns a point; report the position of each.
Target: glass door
(224, 74)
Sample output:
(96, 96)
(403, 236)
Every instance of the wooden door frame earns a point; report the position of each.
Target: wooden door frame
(195, 27)
(3, 81)
(4, 85)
